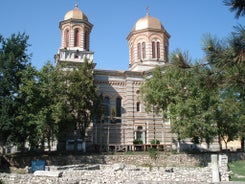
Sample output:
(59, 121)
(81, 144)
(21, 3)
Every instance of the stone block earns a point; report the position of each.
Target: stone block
(118, 166)
(48, 173)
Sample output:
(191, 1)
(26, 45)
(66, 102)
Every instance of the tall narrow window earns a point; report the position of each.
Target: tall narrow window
(76, 38)
(138, 106)
(143, 50)
(106, 105)
(139, 133)
(85, 43)
(158, 50)
(153, 50)
(166, 53)
(139, 51)
(66, 37)
(118, 109)
(132, 55)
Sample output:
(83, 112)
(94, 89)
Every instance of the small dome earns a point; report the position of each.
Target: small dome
(147, 22)
(75, 14)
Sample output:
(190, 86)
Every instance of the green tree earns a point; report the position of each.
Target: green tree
(82, 95)
(25, 128)
(227, 59)
(13, 61)
(180, 92)
(79, 97)
(237, 6)
(38, 96)
(227, 117)
(49, 87)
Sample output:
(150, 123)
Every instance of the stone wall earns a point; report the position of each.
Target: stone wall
(167, 168)
(117, 173)
(163, 159)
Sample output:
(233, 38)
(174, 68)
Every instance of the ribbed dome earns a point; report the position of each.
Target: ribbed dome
(147, 22)
(75, 14)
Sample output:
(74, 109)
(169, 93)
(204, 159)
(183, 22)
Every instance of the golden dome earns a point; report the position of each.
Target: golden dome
(147, 22)
(75, 14)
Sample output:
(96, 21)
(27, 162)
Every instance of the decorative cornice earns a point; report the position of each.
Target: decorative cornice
(110, 83)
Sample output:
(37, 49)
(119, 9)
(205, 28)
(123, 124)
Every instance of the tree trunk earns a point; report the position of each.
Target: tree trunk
(3, 150)
(208, 145)
(22, 147)
(178, 145)
(226, 148)
(243, 143)
(49, 144)
(220, 144)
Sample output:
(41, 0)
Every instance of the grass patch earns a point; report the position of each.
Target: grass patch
(238, 170)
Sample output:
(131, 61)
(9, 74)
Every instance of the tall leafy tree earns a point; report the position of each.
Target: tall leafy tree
(49, 87)
(37, 94)
(80, 99)
(180, 92)
(25, 128)
(14, 59)
(227, 58)
(82, 95)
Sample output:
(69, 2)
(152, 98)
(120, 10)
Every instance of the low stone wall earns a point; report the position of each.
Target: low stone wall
(117, 173)
(163, 159)
(167, 168)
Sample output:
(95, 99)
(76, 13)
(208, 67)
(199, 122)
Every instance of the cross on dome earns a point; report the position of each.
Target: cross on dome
(147, 9)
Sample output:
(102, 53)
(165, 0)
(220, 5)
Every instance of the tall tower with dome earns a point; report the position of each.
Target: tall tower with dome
(75, 38)
(148, 44)
(125, 119)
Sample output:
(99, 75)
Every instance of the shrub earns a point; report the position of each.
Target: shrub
(155, 141)
(153, 153)
(138, 141)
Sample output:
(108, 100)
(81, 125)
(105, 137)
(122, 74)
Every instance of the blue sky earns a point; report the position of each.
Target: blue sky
(186, 21)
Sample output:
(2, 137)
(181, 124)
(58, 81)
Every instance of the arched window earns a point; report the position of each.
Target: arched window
(66, 37)
(143, 50)
(166, 53)
(85, 43)
(106, 107)
(139, 51)
(156, 49)
(76, 37)
(132, 55)
(139, 133)
(153, 50)
(118, 107)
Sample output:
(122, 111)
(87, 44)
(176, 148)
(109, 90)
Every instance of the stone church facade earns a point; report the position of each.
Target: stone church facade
(125, 118)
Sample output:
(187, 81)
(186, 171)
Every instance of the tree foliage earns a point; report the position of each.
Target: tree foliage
(180, 92)
(228, 61)
(237, 6)
(81, 96)
(37, 107)
(14, 60)
(202, 100)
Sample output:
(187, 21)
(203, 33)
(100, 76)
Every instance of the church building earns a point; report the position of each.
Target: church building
(125, 120)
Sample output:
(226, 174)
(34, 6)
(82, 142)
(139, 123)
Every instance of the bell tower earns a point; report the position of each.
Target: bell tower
(148, 44)
(75, 38)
